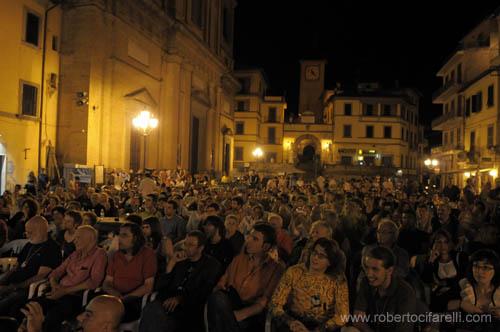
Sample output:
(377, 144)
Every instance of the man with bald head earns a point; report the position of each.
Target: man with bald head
(37, 259)
(83, 269)
(102, 314)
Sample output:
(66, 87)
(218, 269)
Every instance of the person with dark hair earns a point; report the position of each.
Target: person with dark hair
(72, 220)
(412, 239)
(149, 207)
(233, 234)
(212, 209)
(244, 291)
(131, 270)
(56, 225)
(480, 290)
(443, 268)
(89, 218)
(313, 296)
(172, 224)
(217, 245)
(134, 218)
(4, 233)
(29, 209)
(183, 290)
(152, 232)
(382, 293)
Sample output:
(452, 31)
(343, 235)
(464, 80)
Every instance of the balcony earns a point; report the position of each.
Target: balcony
(443, 93)
(447, 149)
(437, 124)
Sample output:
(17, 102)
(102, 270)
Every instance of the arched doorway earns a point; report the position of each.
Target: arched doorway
(308, 153)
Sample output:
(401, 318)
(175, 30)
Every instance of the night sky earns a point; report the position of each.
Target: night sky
(385, 41)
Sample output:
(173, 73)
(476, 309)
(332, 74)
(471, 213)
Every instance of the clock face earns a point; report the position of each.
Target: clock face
(312, 73)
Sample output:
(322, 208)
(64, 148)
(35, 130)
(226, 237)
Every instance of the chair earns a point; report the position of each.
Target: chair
(7, 264)
(14, 246)
(134, 326)
(37, 289)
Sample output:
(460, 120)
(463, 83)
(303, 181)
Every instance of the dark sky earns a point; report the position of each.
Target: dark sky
(380, 41)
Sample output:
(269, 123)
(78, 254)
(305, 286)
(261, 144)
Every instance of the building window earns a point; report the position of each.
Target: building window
(346, 160)
(491, 99)
(387, 111)
(491, 131)
(271, 157)
(197, 12)
(240, 128)
(29, 99)
(369, 160)
(468, 106)
(238, 153)
(245, 85)
(347, 130)
(55, 43)
(32, 29)
(387, 161)
(387, 132)
(348, 109)
(369, 131)
(452, 137)
(272, 114)
(402, 161)
(477, 102)
(459, 73)
(368, 111)
(445, 138)
(271, 135)
(459, 137)
(242, 106)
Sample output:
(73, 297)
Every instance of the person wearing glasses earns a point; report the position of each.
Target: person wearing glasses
(314, 295)
(480, 290)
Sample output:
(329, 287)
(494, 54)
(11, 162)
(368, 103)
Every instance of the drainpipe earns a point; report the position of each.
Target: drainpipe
(44, 51)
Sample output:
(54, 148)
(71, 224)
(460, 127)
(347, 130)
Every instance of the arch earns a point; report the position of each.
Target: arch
(309, 145)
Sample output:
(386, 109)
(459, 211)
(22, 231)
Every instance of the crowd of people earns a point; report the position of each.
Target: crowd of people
(169, 251)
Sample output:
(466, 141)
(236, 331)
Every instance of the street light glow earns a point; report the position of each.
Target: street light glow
(257, 153)
(494, 173)
(427, 162)
(434, 162)
(145, 122)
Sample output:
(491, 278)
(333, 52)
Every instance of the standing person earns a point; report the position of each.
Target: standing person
(147, 185)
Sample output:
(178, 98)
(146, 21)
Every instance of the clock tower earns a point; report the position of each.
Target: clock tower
(312, 85)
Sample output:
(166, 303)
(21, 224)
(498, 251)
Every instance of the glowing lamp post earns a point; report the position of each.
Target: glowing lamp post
(145, 123)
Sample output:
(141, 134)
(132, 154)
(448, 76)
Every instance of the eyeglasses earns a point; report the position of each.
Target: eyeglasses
(480, 267)
(319, 254)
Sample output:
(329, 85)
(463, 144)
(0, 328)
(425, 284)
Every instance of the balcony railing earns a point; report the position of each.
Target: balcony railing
(447, 86)
(443, 118)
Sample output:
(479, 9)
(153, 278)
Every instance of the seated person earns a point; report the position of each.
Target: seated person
(183, 290)
(302, 249)
(89, 218)
(131, 270)
(149, 207)
(381, 292)
(83, 269)
(233, 234)
(283, 240)
(56, 224)
(72, 220)
(37, 259)
(313, 296)
(243, 292)
(442, 269)
(152, 232)
(387, 236)
(217, 245)
(103, 314)
(481, 290)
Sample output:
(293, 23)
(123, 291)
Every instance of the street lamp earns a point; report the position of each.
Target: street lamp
(431, 162)
(257, 153)
(144, 122)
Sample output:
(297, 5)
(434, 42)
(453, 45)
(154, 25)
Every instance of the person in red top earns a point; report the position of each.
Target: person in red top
(131, 270)
(283, 239)
(83, 269)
